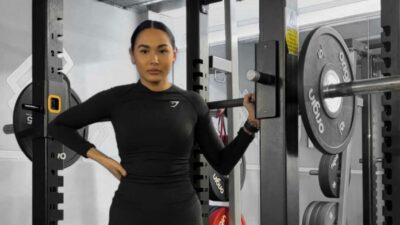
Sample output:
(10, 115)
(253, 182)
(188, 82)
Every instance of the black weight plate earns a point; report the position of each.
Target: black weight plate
(328, 214)
(219, 183)
(218, 186)
(324, 59)
(315, 212)
(328, 175)
(242, 176)
(22, 122)
(242, 172)
(308, 211)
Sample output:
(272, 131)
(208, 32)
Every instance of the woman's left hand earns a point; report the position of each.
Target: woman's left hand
(249, 103)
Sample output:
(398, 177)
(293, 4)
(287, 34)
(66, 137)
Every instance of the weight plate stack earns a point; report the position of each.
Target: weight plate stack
(320, 213)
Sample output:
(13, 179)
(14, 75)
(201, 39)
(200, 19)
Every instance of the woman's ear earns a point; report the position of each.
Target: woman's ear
(131, 56)
(174, 56)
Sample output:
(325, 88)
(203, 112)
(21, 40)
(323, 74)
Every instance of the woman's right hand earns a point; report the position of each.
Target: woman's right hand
(110, 164)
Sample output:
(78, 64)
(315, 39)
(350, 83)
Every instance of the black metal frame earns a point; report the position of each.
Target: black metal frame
(47, 29)
(279, 153)
(197, 79)
(367, 152)
(279, 170)
(390, 22)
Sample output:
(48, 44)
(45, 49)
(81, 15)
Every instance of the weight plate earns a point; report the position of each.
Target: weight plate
(219, 183)
(308, 211)
(212, 209)
(324, 59)
(22, 122)
(220, 216)
(242, 177)
(329, 175)
(218, 186)
(315, 212)
(327, 214)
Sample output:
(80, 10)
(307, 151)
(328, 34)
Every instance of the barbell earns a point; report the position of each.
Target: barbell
(326, 89)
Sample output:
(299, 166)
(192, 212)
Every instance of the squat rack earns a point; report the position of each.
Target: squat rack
(279, 179)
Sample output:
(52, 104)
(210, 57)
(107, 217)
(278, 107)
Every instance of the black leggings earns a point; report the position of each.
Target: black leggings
(150, 204)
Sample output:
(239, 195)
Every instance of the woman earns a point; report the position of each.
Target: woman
(156, 124)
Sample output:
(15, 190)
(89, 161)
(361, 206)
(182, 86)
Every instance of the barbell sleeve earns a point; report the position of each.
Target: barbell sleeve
(8, 129)
(366, 86)
(262, 78)
(32, 107)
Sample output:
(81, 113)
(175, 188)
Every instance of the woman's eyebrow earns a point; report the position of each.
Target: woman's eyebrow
(143, 46)
(162, 46)
(147, 46)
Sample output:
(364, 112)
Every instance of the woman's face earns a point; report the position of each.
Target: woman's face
(153, 55)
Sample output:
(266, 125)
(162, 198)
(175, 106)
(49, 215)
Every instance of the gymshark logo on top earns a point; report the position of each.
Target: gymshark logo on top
(174, 103)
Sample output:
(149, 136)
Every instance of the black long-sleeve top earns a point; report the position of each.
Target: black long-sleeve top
(155, 131)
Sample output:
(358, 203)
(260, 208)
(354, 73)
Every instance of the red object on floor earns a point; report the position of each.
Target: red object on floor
(221, 217)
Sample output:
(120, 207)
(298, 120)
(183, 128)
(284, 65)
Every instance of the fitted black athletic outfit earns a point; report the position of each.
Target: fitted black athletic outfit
(155, 132)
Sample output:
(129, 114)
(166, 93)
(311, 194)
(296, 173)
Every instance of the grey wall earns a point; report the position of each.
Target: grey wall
(96, 40)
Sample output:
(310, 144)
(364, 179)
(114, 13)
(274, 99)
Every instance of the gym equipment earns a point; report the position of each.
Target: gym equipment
(22, 126)
(219, 183)
(308, 211)
(212, 209)
(324, 60)
(326, 90)
(329, 175)
(220, 216)
(320, 213)
(327, 214)
(390, 52)
(225, 103)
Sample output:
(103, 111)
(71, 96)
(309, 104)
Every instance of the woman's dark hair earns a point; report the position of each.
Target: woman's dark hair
(152, 24)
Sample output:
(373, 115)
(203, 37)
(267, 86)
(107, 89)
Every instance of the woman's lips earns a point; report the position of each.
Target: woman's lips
(154, 71)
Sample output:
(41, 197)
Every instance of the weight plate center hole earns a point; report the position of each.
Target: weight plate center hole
(332, 105)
